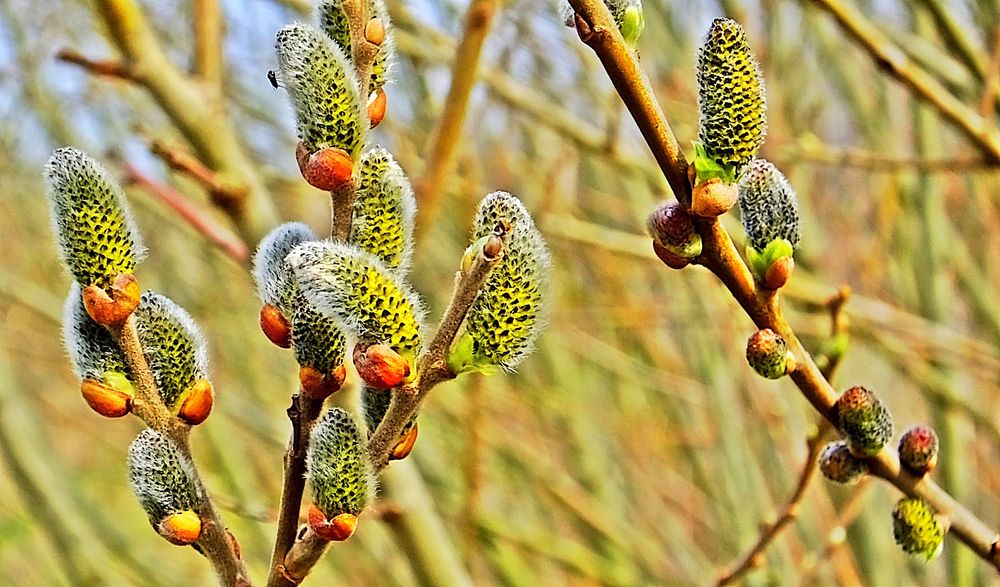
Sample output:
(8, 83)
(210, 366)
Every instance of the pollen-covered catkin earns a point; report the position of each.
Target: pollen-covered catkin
(384, 210)
(338, 466)
(916, 529)
(96, 234)
(173, 344)
(323, 90)
(730, 97)
(334, 22)
(506, 316)
(364, 296)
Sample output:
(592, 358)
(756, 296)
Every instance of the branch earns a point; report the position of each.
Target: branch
(720, 256)
(208, 43)
(894, 61)
(147, 405)
(597, 29)
(447, 136)
(106, 67)
(219, 236)
(224, 195)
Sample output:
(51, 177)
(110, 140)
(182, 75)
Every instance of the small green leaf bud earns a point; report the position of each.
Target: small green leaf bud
(730, 98)
(320, 82)
(361, 294)
(916, 529)
(342, 478)
(918, 450)
(506, 317)
(865, 421)
(162, 478)
(768, 354)
(384, 210)
(838, 464)
(96, 234)
(673, 229)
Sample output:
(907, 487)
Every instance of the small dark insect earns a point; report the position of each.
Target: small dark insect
(272, 76)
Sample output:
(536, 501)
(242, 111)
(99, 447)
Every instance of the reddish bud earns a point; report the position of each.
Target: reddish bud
(182, 528)
(275, 326)
(327, 169)
(197, 405)
(493, 247)
(778, 273)
(377, 103)
(918, 450)
(380, 367)
(112, 307)
(404, 447)
(104, 399)
(340, 528)
(318, 385)
(713, 198)
(672, 228)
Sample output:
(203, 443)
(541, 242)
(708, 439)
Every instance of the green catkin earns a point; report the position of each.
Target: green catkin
(95, 232)
(366, 298)
(384, 210)
(91, 349)
(505, 318)
(161, 477)
(768, 206)
(730, 97)
(767, 354)
(317, 338)
(915, 528)
(173, 344)
(323, 90)
(864, 420)
(338, 466)
(333, 20)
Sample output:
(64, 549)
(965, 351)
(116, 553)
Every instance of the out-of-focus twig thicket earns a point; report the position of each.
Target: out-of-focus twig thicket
(635, 448)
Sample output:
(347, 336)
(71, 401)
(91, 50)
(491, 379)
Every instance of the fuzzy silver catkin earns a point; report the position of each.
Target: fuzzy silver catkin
(768, 206)
(91, 349)
(507, 316)
(365, 297)
(322, 87)
(161, 477)
(94, 229)
(384, 210)
(339, 469)
(173, 344)
(274, 278)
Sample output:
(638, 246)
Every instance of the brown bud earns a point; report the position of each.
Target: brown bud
(104, 399)
(375, 31)
(318, 385)
(672, 228)
(182, 528)
(379, 366)
(376, 107)
(275, 326)
(234, 545)
(327, 169)
(340, 528)
(197, 405)
(778, 273)
(493, 247)
(713, 198)
(112, 308)
(404, 447)
(669, 259)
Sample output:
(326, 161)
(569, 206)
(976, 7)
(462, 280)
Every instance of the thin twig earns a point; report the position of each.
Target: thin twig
(430, 188)
(763, 307)
(105, 67)
(224, 195)
(149, 407)
(219, 236)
